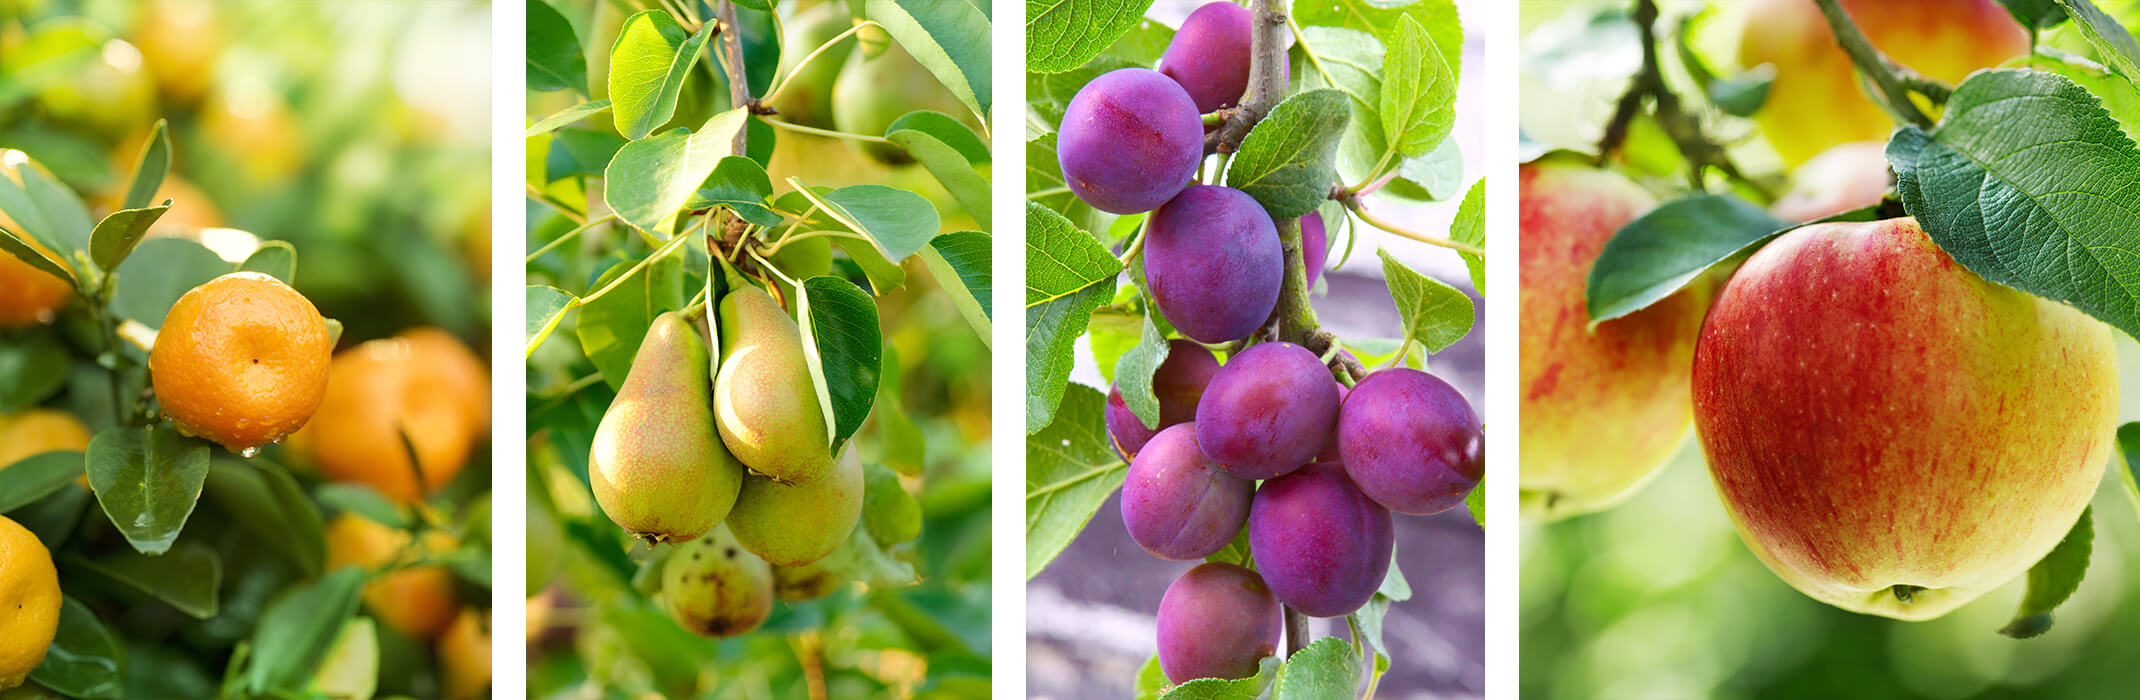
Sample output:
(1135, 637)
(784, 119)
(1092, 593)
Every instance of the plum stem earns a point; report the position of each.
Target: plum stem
(1893, 81)
(1266, 73)
(1296, 631)
(1360, 210)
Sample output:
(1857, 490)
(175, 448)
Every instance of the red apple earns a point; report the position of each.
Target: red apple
(1892, 434)
(1601, 408)
(1816, 101)
(1844, 178)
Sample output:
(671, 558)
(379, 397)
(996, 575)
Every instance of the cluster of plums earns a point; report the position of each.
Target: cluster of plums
(1333, 464)
(735, 465)
(1130, 142)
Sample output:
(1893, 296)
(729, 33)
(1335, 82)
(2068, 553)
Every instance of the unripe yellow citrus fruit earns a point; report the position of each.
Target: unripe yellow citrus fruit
(29, 599)
(37, 431)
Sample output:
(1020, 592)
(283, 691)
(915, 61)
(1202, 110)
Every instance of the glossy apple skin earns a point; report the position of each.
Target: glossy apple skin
(1217, 621)
(1410, 441)
(1816, 103)
(1844, 178)
(1178, 384)
(1876, 415)
(1602, 409)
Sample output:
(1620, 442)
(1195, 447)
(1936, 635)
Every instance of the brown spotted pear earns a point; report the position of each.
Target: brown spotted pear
(715, 588)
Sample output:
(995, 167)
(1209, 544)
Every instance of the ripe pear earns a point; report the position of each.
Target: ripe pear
(656, 467)
(763, 400)
(715, 589)
(796, 525)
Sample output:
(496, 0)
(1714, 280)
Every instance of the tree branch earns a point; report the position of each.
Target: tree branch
(1885, 74)
(1266, 75)
(1683, 128)
(732, 63)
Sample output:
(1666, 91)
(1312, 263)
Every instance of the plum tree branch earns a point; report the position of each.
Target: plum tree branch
(1266, 75)
(1886, 75)
(1296, 631)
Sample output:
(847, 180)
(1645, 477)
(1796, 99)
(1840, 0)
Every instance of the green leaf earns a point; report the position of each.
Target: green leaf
(148, 480)
(2036, 15)
(298, 628)
(889, 512)
(840, 327)
(149, 170)
(1068, 274)
(1326, 668)
(647, 68)
(364, 502)
(2028, 182)
(187, 577)
(47, 212)
(1043, 172)
(2114, 45)
(929, 138)
(1133, 374)
(1070, 469)
(1151, 679)
(1476, 503)
(277, 259)
(948, 37)
(1470, 227)
(2128, 469)
(611, 327)
(898, 221)
(651, 178)
(1435, 314)
(1060, 36)
(1433, 177)
(1049, 94)
(1367, 621)
(960, 263)
(884, 275)
(32, 478)
(546, 305)
(1419, 96)
(268, 504)
(161, 271)
(1382, 19)
(555, 60)
(1663, 250)
(2053, 579)
(740, 184)
(1289, 160)
(575, 152)
(83, 660)
(2119, 95)
(567, 116)
(16, 243)
(1351, 62)
(1236, 552)
(36, 365)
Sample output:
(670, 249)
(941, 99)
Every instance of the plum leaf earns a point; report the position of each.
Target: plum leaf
(1134, 370)
(1326, 668)
(1382, 18)
(1470, 227)
(2028, 182)
(1070, 471)
(1435, 314)
(1663, 250)
(2053, 579)
(1068, 274)
(1061, 36)
(1289, 160)
(1418, 101)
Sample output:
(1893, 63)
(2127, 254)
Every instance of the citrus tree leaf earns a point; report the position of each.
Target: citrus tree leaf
(555, 61)
(269, 505)
(187, 577)
(647, 67)
(277, 259)
(161, 271)
(1289, 160)
(147, 480)
(298, 628)
(37, 366)
(37, 476)
(149, 170)
(1068, 274)
(948, 37)
(83, 660)
(1063, 35)
(2029, 183)
(14, 243)
(46, 211)
(1070, 469)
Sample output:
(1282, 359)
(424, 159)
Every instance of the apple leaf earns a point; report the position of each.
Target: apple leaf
(2129, 450)
(1662, 251)
(1067, 275)
(2113, 44)
(2053, 580)
(2036, 15)
(2028, 182)
(1070, 471)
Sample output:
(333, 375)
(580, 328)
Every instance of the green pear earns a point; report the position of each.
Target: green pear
(714, 588)
(657, 469)
(873, 92)
(806, 95)
(796, 525)
(763, 400)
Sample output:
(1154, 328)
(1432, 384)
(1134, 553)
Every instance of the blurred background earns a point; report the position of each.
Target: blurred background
(1090, 617)
(355, 132)
(595, 626)
(1658, 597)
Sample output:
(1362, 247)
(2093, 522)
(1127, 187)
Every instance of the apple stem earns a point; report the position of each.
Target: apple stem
(1894, 81)
(1906, 593)
(1685, 130)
